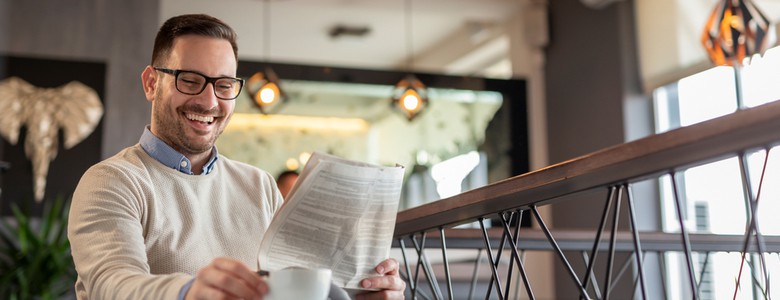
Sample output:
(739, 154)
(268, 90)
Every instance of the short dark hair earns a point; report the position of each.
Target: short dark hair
(197, 24)
(286, 174)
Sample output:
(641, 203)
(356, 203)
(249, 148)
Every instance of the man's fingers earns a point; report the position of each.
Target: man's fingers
(387, 282)
(387, 267)
(239, 270)
(227, 279)
(215, 278)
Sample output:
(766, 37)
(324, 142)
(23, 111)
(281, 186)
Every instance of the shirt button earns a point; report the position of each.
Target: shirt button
(183, 164)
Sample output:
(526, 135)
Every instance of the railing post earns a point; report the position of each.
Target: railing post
(495, 263)
(427, 266)
(558, 250)
(612, 238)
(516, 256)
(685, 240)
(596, 289)
(477, 262)
(751, 208)
(637, 245)
(411, 284)
(594, 252)
(490, 257)
(446, 263)
(416, 269)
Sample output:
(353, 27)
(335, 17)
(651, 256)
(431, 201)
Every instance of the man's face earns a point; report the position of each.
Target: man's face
(192, 123)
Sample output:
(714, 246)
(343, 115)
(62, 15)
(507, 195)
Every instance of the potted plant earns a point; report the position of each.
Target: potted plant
(35, 258)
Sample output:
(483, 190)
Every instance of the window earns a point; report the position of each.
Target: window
(712, 194)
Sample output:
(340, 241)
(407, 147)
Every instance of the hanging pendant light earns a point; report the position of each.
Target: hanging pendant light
(410, 95)
(264, 85)
(265, 91)
(736, 29)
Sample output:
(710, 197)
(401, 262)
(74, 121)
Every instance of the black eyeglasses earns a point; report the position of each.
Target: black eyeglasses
(193, 83)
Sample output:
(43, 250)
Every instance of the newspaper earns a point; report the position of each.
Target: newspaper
(340, 215)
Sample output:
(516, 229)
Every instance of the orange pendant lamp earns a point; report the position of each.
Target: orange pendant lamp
(735, 30)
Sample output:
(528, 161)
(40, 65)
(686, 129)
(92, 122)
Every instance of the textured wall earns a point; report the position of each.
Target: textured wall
(117, 33)
(3, 42)
(591, 76)
(3, 26)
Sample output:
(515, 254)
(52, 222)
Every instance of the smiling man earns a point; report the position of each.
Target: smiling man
(170, 218)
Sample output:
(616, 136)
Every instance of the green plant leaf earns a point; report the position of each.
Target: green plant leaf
(6, 231)
(35, 257)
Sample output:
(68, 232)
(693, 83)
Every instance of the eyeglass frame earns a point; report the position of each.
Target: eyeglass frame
(212, 80)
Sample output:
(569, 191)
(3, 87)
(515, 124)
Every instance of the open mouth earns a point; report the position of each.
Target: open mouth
(199, 118)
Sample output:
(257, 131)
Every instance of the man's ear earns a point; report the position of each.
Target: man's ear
(149, 82)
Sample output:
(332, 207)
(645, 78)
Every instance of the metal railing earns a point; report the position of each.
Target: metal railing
(615, 170)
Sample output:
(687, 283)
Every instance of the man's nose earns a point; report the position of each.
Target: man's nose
(208, 96)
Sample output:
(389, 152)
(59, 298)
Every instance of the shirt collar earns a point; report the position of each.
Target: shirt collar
(171, 158)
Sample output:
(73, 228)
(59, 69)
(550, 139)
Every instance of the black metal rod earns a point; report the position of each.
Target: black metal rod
(662, 268)
(760, 245)
(558, 250)
(623, 269)
(703, 269)
(747, 195)
(490, 258)
(432, 283)
(685, 240)
(752, 204)
(633, 287)
(508, 235)
(474, 275)
(511, 237)
(523, 273)
(755, 286)
(420, 293)
(495, 264)
(594, 252)
(612, 239)
(417, 269)
(595, 285)
(637, 243)
(516, 257)
(406, 265)
(446, 263)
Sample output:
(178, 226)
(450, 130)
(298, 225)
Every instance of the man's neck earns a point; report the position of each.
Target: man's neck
(198, 161)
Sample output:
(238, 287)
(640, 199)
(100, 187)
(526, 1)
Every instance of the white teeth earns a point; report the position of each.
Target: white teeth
(205, 119)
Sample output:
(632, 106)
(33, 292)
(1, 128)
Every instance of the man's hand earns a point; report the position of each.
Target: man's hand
(390, 283)
(226, 278)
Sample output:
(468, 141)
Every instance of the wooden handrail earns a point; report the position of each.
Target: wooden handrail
(748, 129)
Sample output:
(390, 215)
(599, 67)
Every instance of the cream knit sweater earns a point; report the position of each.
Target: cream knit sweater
(140, 230)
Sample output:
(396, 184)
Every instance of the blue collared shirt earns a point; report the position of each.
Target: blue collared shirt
(166, 155)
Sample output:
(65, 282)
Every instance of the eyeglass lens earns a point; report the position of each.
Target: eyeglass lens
(194, 83)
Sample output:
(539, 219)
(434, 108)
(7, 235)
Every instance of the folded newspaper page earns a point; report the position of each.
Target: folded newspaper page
(339, 215)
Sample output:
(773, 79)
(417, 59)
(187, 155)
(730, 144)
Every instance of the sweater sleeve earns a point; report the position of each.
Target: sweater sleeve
(107, 239)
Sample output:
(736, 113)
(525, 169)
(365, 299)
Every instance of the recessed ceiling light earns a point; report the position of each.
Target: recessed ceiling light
(341, 30)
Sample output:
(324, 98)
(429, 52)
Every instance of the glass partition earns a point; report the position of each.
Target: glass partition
(355, 120)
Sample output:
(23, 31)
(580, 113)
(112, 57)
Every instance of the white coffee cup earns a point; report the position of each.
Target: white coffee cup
(299, 283)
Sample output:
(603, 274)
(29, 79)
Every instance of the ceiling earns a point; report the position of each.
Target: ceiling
(299, 31)
(463, 37)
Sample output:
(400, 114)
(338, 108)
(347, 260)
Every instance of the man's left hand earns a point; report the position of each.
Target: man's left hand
(390, 284)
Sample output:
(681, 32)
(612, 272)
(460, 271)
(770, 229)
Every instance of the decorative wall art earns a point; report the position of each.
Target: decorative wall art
(75, 108)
